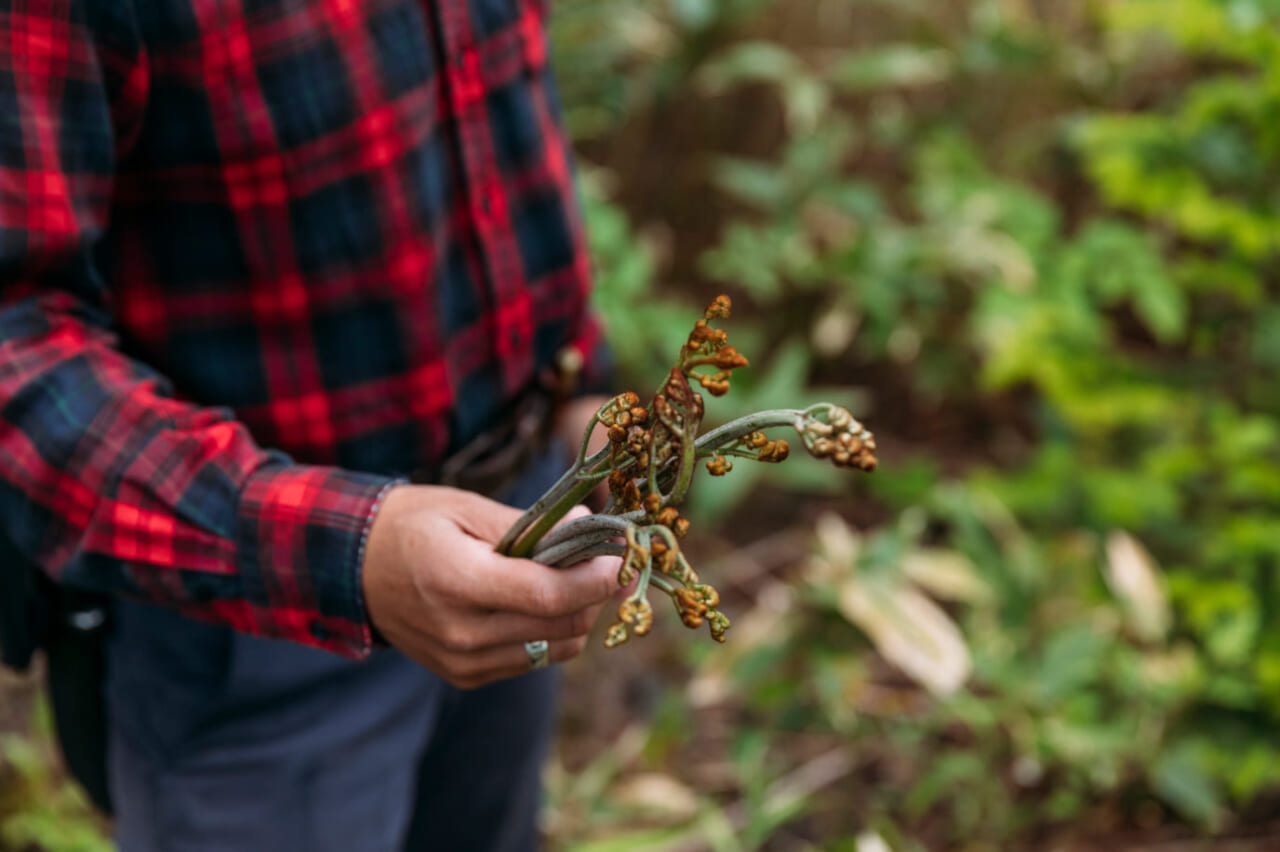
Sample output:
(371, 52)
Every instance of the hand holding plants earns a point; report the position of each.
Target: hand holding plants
(439, 593)
(649, 463)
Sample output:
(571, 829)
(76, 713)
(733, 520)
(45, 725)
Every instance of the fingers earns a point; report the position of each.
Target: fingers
(529, 588)
(504, 628)
(468, 671)
(484, 519)
(481, 631)
(490, 646)
(488, 521)
(465, 611)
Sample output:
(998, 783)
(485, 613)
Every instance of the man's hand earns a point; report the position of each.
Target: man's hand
(438, 592)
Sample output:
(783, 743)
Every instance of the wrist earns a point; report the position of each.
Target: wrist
(379, 641)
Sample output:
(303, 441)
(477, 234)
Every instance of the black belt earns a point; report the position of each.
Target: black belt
(502, 454)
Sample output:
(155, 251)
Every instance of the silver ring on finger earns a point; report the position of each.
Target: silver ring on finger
(537, 651)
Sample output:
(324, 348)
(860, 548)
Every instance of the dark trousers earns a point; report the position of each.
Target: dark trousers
(222, 741)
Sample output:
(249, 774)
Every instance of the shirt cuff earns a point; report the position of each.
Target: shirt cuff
(379, 641)
(301, 539)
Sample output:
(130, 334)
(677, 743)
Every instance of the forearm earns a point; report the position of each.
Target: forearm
(109, 484)
(107, 481)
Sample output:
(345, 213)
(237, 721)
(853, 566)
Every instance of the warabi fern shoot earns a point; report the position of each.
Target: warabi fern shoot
(653, 453)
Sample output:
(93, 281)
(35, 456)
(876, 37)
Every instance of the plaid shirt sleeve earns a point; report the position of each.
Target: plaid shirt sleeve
(106, 480)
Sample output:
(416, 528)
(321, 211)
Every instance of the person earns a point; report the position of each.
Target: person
(260, 260)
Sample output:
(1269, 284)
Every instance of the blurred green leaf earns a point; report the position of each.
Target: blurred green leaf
(1179, 780)
(1039, 239)
(760, 184)
(893, 65)
(753, 61)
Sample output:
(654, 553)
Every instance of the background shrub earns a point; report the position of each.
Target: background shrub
(1033, 243)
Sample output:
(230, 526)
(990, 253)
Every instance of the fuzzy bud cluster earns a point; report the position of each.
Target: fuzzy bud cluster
(668, 560)
(719, 624)
(766, 450)
(637, 613)
(671, 518)
(831, 432)
(625, 491)
(616, 635)
(705, 338)
(664, 557)
(718, 309)
(626, 421)
(718, 465)
(697, 604)
(708, 347)
(649, 465)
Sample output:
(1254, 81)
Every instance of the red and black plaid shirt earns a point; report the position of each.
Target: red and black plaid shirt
(231, 230)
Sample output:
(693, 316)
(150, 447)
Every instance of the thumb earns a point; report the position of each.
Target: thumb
(485, 519)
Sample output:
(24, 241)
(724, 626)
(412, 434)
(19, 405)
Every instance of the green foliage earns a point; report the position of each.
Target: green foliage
(1062, 225)
(39, 807)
